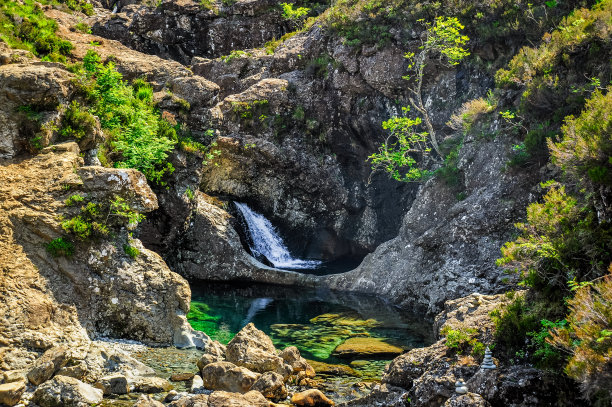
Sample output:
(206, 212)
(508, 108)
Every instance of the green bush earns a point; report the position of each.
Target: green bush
(74, 200)
(588, 338)
(99, 219)
(294, 14)
(77, 122)
(60, 247)
(131, 251)
(139, 137)
(24, 25)
(462, 340)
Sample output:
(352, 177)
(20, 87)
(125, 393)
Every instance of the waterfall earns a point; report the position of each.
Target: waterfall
(265, 241)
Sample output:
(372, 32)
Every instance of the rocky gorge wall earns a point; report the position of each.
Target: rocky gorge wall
(296, 127)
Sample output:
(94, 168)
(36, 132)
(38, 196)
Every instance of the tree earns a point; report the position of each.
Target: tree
(405, 147)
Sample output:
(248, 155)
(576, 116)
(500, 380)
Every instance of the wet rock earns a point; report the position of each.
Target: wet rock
(152, 385)
(147, 401)
(466, 400)
(254, 350)
(66, 391)
(364, 347)
(10, 393)
(181, 377)
(271, 385)
(197, 385)
(311, 398)
(50, 362)
(114, 384)
(228, 377)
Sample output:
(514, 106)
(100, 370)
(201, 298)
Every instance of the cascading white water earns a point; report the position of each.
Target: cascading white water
(266, 242)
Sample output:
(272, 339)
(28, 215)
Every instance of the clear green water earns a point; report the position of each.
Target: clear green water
(314, 321)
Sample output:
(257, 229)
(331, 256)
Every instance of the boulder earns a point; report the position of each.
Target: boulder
(152, 385)
(147, 401)
(113, 384)
(13, 376)
(214, 352)
(466, 400)
(249, 399)
(48, 364)
(181, 377)
(291, 356)
(66, 391)
(228, 377)
(199, 400)
(311, 398)
(10, 393)
(254, 350)
(197, 385)
(365, 347)
(271, 386)
(222, 399)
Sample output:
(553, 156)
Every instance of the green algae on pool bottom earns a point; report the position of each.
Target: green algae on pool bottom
(314, 321)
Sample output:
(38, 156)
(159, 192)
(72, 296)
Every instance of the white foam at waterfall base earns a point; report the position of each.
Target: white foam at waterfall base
(266, 242)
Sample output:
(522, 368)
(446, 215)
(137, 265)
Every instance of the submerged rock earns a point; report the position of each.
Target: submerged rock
(332, 369)
(364, 347)
(66, 391)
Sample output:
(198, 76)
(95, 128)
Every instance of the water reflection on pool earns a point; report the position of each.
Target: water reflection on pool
(369, 330)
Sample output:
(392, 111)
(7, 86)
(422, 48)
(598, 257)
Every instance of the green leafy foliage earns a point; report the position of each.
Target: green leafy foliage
(99, 219)
(588, 337)
(77, 122)
(294, 14)
(60, 247)
(462, 340)
(398, 155)
(24, 25)
(74, 200)
(585, 152)
(139, 137)
(131, 251)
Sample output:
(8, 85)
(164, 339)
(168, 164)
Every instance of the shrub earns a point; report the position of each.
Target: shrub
(82, 27)
(77, 122)
(98, 219)
(588, 336)
(585, 152)
(74, 199)
(294, 14)
(139, 137)
(470, 112)
(131, 251)
(60, 247)
(463, 339)
(24, 25)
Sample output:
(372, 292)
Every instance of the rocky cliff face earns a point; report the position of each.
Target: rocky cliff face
(297, 126)
(99, 290)
(450, 238)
